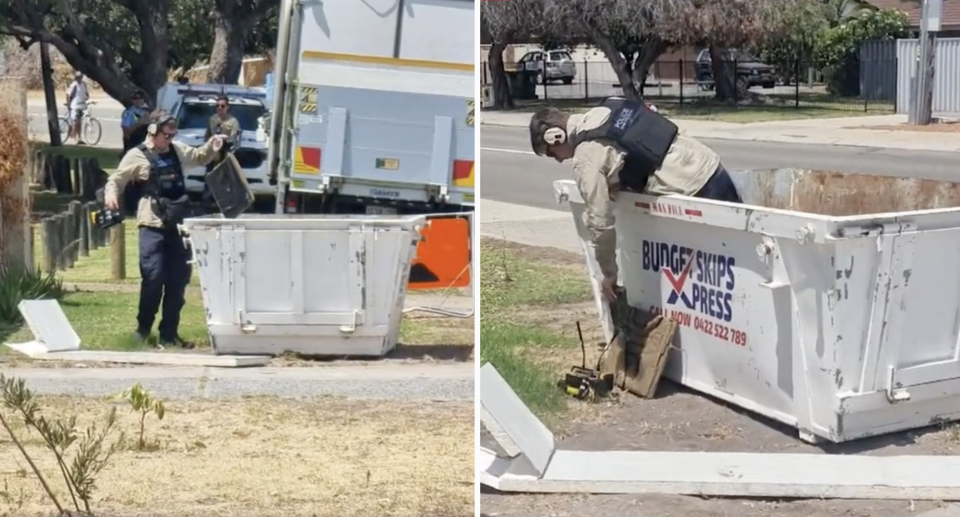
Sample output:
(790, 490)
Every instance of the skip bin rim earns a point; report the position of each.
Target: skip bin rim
(360, 220)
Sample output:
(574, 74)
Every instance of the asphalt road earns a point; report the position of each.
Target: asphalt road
(106, 111)
(512, 174)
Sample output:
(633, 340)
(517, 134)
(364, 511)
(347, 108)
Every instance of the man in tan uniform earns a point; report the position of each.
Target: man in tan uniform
(157, 166)
(220, 123)
(622, 145)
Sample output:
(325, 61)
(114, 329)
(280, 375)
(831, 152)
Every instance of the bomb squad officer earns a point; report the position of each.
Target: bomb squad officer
(157, 166)
(622, 145)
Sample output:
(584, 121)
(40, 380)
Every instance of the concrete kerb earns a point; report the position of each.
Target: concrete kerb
(532, 464)
(848, 131)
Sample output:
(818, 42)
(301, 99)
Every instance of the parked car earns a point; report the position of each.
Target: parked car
(750, 70)
(559, 65)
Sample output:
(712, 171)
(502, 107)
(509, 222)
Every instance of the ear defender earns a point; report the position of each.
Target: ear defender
(554, 136)
(160, 118)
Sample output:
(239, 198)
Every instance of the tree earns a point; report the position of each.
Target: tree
(234, 22)
(728, 24)
(126, 45)
(839, 49)
(806, 23)
(507, 22)
(632, 33)
(49, 95)
(120, 44)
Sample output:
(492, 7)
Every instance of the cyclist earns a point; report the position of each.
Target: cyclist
(77, 97)
(134, 122)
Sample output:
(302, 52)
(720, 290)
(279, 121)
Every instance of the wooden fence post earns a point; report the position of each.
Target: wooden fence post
(63, 240)
(50, 238)
(76, 216)
(118, 255)
(75, 175)
(84, 224)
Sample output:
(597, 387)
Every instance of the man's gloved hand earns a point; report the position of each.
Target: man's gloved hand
(217, 141)
(609, 288)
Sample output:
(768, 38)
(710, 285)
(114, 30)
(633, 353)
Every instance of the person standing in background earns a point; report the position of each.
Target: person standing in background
(134, 122)
(221, 123)
(77, 97)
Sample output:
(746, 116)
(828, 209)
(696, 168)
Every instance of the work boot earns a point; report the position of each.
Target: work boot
(176, 341)
(141, 337)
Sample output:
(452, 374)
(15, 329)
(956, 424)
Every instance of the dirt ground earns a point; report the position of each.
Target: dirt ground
(681, 420)
(269, 457)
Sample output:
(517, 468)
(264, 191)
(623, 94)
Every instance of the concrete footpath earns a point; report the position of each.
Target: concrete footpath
(850, 131)
(529, 225)
(372, 381)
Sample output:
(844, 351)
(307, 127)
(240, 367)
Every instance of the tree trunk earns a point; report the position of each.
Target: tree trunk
(724, 74)
(501, 86)
(100, 62)
(650, 51)
(50, 95)
(226, 58)
(151, 75)
(621, 66)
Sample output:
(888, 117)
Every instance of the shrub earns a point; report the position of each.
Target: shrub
(21, 284)
(839, 49)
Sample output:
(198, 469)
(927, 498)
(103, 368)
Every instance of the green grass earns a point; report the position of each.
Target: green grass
(501, 343)
(748, 114)
(509, 285)
(509, 282)
(95, 269)
(106, 320)
(779, 107)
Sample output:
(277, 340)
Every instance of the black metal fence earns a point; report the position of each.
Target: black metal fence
(869, 86)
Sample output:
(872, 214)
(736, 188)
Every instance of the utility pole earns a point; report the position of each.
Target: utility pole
(921, 105)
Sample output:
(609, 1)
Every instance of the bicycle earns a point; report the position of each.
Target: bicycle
(90, 129)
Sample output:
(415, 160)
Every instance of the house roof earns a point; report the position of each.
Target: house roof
(951, 11)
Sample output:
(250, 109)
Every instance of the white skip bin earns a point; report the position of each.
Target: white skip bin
(829, 302)
(311, 284)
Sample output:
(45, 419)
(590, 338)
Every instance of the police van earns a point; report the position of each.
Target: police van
(373, 113)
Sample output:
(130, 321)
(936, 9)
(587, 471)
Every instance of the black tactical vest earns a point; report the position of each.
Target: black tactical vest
(645, 135)
(166, 185)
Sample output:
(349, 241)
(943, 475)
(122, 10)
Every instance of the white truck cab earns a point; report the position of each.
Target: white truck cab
(372, 114)
(374, 106)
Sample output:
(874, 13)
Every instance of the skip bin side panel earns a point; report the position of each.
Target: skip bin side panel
(849, 313)
(809, 281)
(930, 308)
(734, 341)
(297, 277)
(213, 263)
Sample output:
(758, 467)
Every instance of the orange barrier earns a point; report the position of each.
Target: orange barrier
(443, 256)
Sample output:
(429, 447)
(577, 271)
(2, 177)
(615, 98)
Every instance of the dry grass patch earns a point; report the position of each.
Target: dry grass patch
(936, 127)
(266, 456)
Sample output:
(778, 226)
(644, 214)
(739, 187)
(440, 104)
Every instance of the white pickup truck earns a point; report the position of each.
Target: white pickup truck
(193, 105)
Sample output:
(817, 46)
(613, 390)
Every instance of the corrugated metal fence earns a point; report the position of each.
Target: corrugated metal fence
(946, 89)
